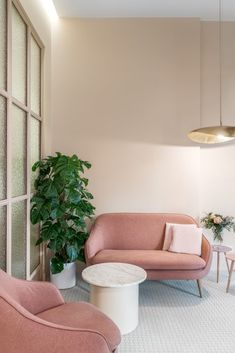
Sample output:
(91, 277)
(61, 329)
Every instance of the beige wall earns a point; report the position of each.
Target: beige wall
(125, 93)
(41, 21)
(210, 73)
(217, 163)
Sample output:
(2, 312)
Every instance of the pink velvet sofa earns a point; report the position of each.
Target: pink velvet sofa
(35, 319)
(137, 238)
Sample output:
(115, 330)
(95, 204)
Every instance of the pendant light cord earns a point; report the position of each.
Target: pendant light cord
(220, 62)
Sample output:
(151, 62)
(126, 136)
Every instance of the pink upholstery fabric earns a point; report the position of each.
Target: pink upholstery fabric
(185, 240)
(21, 331)
(133, 232)
(176, 274)
(29, 294)
(169, 233)
(151, 259)
(82, 315)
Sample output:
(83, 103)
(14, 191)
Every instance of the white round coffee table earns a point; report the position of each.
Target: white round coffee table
(115, 291)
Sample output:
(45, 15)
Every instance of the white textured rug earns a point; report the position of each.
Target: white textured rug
(173, 319)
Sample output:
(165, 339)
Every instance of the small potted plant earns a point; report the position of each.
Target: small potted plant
(61, 204)
(217, 223)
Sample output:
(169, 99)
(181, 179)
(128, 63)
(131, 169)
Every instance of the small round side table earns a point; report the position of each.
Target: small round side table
(230, 257)
(221, 249)
(115, 291)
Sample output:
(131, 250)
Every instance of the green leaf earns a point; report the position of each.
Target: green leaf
(39, 241)
(44, 214)
(35, 214)
(74, 196)
(72, 253)
(51, 191)
(57, 265)
(53, 213)
(81, 255)
(35, 166)
(87, 164)
(46, 232)
(54, 245)
(85, 181)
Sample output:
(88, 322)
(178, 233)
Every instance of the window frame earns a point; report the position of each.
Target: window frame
(10, 100)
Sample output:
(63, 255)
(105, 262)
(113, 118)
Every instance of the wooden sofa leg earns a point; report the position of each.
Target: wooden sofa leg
(199, 287)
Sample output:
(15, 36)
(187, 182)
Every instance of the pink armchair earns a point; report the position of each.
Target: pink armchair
(34, 318)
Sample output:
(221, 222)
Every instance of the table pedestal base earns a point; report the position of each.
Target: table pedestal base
(121, 304)
(221, 249)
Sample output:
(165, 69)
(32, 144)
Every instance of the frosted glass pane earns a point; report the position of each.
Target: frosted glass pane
(19, 239)
(35, 146)
(3, 43)
(19, 56)
(18, 145)
(3, 148)
(34, 250)
(3, 232)
(35, 76)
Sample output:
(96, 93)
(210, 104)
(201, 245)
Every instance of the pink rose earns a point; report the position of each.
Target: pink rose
(217, 220)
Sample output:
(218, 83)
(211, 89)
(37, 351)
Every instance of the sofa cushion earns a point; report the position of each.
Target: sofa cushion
(186, 240)
(151, 259)
(169, 233)
(84, 316)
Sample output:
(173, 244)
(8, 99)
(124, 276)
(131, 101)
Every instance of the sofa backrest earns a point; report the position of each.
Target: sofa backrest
(134, 231)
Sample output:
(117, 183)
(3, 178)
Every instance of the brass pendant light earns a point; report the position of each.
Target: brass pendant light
(220, 133)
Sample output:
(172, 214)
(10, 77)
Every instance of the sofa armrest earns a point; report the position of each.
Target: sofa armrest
(94, 243)
(206, 251)
(37, 296)
(22, 332)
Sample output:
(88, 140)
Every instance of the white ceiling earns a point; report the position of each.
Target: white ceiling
(204, 9)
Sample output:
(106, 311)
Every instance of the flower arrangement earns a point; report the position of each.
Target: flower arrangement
(217, 223)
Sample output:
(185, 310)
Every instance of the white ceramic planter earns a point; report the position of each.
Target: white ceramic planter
(66, 278)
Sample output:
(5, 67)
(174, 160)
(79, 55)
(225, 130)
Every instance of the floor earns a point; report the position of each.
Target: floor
(173, 319)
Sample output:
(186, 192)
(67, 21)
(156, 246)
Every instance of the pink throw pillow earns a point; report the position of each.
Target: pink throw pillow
(169, 233)
(186, 240)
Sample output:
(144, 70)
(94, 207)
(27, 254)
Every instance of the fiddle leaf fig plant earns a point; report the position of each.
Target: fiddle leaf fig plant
(61, 204)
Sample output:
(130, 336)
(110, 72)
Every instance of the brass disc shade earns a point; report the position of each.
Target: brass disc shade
(213, 134)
